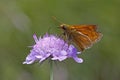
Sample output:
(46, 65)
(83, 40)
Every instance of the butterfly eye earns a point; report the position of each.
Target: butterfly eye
(63, 27)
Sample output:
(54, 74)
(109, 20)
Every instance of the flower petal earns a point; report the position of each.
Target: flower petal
(35, 38)
(60, 58)
(78, 60)
(63, 52)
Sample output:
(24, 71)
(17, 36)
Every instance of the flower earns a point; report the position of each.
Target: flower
(53, 47)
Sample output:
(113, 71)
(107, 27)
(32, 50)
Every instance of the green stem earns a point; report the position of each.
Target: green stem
(51, 70)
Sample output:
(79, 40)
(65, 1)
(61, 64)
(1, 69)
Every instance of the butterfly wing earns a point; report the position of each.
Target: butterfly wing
(81, 41)
(90, 31)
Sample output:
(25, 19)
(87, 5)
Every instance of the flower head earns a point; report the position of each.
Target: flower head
(51, 46)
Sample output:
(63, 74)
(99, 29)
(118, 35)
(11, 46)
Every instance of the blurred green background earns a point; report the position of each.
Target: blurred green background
(20, 19)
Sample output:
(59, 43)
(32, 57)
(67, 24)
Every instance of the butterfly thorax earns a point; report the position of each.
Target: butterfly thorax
(67, 31)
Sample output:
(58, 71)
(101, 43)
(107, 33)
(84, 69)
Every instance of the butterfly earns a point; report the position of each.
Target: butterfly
(83, 36)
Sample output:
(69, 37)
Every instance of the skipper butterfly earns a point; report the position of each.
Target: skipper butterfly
(83, 36)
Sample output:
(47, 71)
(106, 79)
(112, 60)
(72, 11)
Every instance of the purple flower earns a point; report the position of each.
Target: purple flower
(50, 46)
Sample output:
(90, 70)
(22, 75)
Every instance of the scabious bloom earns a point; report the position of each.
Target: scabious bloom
(53, 47)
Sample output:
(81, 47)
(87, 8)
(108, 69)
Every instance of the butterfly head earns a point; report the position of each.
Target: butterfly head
(64, 26)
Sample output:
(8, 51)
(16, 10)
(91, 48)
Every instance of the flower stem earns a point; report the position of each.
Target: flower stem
(51, 70)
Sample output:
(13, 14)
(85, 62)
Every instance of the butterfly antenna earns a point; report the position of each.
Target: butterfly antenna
(54, 18)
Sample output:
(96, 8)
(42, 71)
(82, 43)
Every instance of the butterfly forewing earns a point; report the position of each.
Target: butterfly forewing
(90, 31)
(81, 41)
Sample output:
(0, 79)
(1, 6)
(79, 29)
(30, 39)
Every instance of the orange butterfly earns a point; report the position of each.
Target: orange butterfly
(83, 36)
